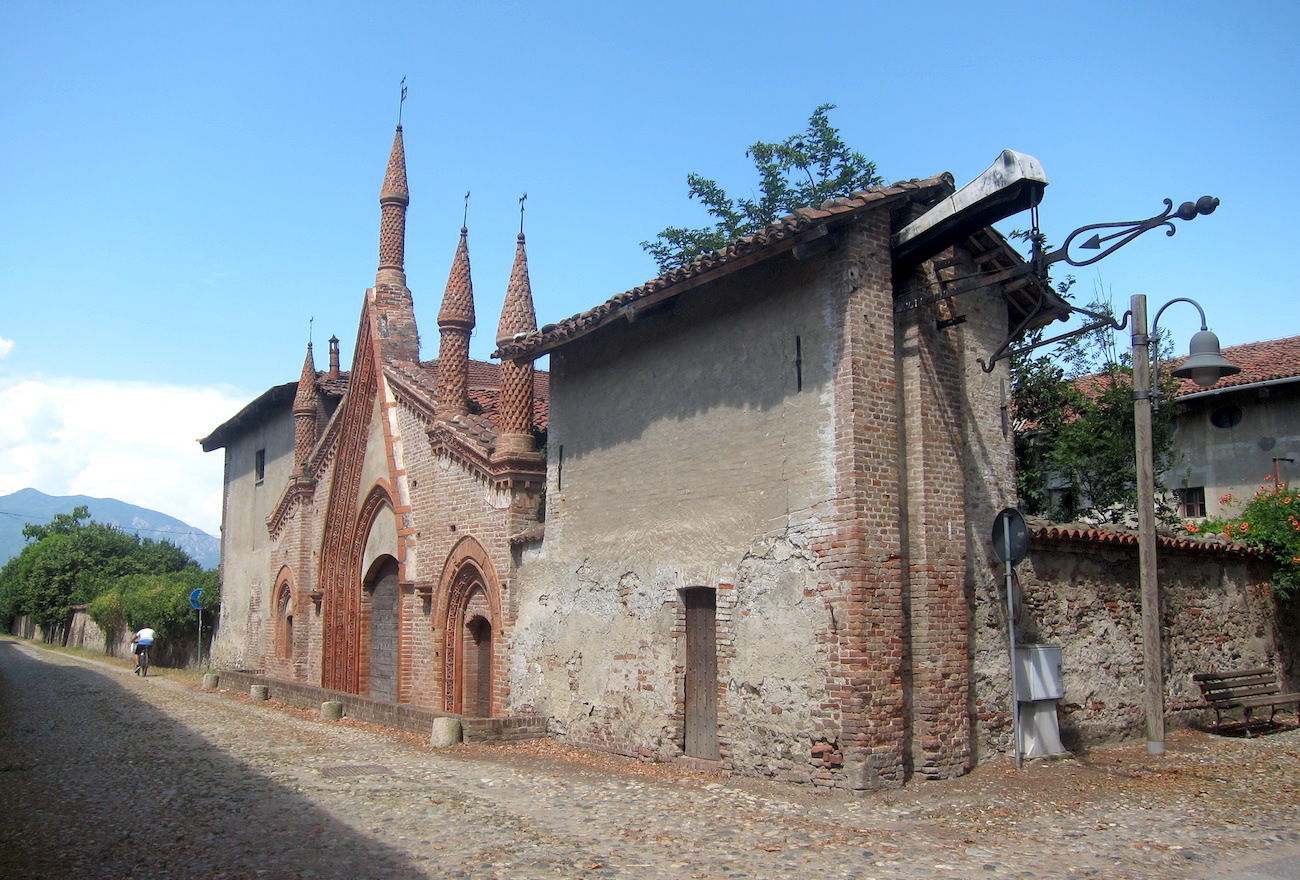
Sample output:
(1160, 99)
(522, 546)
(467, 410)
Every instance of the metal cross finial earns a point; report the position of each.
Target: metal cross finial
(310, 321)
(400, 102)
(522, 199)
(464, 220)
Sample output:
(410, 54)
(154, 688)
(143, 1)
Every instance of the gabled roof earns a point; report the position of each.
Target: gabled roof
(484, 390)
(257, 412)
(781, 236)
(1274, 360)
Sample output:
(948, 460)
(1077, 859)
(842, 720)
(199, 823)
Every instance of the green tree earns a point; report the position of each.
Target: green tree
(804, 169)
(160, 600)
(72, 560)
(1074, 429)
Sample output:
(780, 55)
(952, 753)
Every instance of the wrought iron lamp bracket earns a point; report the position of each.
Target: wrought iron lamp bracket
(1127, 231)
(1099, 321)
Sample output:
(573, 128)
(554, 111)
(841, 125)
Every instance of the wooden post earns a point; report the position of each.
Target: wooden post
(1152, 667)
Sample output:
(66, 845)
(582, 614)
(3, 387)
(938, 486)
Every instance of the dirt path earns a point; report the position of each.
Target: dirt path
(107, 775)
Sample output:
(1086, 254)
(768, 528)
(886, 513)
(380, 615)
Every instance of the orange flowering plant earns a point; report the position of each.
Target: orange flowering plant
(1269, 522)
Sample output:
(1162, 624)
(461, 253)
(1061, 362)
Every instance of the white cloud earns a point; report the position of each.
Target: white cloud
(6, 346)
(134, 441)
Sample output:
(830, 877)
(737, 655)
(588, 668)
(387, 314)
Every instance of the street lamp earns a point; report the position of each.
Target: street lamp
(1204, 366)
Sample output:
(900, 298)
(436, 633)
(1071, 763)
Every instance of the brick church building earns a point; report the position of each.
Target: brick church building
(743, 520)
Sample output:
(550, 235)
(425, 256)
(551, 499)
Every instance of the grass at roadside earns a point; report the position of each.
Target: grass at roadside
(191, 677)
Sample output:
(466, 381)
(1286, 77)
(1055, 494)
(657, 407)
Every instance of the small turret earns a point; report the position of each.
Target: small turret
(517, 317)
(306, 408)
(455, 325)
(392, 309)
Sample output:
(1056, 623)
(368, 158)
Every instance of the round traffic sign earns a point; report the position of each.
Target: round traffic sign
(1010, 536)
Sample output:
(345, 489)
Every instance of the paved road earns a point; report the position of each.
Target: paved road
(107, 775)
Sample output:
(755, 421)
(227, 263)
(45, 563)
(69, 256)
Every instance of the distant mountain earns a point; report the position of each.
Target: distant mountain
(30, 506)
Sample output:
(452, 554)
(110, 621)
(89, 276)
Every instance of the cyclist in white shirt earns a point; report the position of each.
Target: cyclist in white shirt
(140, 642)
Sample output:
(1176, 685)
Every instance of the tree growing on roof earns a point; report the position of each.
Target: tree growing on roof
(804, 169)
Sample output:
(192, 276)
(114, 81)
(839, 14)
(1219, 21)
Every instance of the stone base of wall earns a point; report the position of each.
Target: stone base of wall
(411, 719)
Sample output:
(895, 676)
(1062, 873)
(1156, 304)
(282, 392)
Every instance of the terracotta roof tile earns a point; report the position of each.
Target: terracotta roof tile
(1043, 530)
(1268, 361)
(484, 392)
(782, 230)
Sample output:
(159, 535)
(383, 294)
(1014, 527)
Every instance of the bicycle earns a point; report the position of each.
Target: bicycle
(142, 661)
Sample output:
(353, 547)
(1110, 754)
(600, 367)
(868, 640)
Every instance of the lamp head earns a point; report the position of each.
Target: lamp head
(1205, 365)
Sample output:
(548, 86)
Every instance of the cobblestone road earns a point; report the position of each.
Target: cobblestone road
(107, 775)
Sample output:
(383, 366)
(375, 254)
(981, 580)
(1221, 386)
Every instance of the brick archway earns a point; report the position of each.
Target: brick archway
(381, 609)
(469, 615)
(283, 609)
(345, 641)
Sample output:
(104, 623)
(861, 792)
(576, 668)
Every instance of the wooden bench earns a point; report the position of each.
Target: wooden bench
(1247, 690)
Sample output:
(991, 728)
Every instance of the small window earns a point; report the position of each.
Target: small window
(1191, 501)
(1226, 417)
(259, 466)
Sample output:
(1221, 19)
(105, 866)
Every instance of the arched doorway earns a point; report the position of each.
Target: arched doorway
(284, 621)
(476, 668)
(384, 607)
(469, 609)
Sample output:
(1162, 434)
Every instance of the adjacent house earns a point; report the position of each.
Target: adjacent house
(1240, 433)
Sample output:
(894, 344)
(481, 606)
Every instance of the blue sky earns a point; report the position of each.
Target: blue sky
(184, 186)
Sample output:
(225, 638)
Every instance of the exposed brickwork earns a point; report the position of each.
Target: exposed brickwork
(412, 719)
(518, 317)
(931, 422)
(393, 200)
(860, 554)
(455, 324)
(306, 412)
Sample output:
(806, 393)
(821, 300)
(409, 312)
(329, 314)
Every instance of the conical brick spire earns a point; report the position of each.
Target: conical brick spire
(306, 405)
(390, 305)
(517, 317)
(455, 324)
(393, 200)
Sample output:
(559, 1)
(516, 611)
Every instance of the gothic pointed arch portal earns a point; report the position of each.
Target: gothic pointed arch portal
(384, 606)
(349, 606)
(470, 613)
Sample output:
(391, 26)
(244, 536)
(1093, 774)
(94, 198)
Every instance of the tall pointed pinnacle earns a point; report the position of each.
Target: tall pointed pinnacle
(455, 324)
(306, 405)
(391, 307)
(393, 200)
(517, 316)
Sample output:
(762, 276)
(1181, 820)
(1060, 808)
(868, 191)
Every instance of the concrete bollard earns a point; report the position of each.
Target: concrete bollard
(446, 732)
(258, 692)
(210, 681)
(331, 710)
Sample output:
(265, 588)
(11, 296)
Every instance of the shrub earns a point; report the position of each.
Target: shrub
(1270, 523)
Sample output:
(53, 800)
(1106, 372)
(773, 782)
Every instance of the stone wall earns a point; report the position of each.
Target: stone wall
(1083, 595)
(82, 632)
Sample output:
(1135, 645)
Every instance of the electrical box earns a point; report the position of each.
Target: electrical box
(1038, 673)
